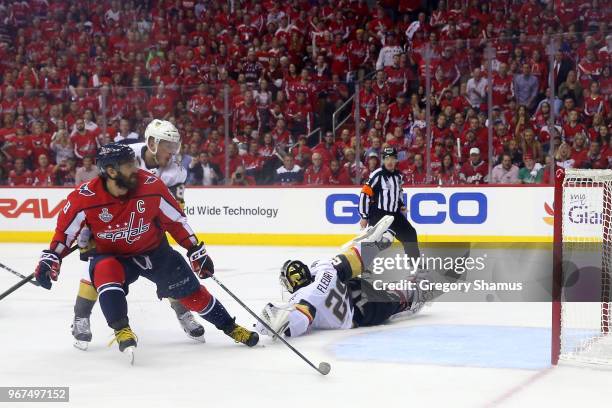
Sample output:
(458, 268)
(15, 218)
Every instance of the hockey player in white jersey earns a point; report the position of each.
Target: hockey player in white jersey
(158, 155)
(330, 294)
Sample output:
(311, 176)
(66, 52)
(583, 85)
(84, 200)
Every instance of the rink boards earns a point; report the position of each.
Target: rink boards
(316, 216)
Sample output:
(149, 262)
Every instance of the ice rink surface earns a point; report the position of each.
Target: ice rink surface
(451, 355)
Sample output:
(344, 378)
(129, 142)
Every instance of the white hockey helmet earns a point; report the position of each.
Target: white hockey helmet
(162, 130)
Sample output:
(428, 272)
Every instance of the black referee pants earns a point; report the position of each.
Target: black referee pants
(400, 228)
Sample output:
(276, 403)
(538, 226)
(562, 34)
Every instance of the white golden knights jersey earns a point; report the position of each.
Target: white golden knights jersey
(171, 175)
(325, 303)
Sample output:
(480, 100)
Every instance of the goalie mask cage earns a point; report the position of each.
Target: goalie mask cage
(582, 330)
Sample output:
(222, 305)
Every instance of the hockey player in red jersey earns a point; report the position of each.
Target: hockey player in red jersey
(128, 211)
(157, 156)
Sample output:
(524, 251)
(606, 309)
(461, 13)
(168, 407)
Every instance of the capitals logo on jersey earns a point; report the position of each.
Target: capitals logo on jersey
(128, 232)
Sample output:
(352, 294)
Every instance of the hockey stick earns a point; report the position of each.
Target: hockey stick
(14, 272)
(323, 368)
(27, 279)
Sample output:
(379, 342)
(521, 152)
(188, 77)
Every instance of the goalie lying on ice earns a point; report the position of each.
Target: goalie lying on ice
(332, 295)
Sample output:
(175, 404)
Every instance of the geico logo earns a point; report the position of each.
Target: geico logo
(424, 208)
(460, 208)
(36, 207)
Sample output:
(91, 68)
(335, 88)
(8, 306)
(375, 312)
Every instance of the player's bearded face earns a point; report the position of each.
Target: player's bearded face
(127, 176)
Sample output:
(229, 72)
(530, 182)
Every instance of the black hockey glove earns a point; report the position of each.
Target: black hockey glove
(48, 268)
(201, 263)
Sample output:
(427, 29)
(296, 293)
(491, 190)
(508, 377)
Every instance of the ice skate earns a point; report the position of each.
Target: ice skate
(81, 331)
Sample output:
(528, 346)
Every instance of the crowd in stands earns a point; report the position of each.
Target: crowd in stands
(253, 87)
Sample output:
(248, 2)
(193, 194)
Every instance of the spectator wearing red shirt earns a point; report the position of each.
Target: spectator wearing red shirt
(440, 131)
(573, 128)
(415, 173)
(339, 174)
(246, 114)
(529, 145)
(20, 176)
(280, 134)
(299, 115)
(475, 170)
(579, 150)
(8, 131)
(396, 77)
(301, 152)
(326, 148)
(161, 105)
(19, 146)
(368, 101)
(447, 64)
(358, 52)
(317, 173)
(10, 101)
(589, 69)
(343, 144)
(594, 158)
(44, 174)
(381, 88)
(40, 141)
(594, 103)
(447, 174)
(339, 56)
(399, 114)
(252, 161)
(502, 87)
(84, 141)
(461, 102)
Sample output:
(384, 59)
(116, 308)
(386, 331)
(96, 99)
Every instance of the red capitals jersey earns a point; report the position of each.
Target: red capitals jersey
(124, 226)
(474, 174)
(398, 116)
(502, 90)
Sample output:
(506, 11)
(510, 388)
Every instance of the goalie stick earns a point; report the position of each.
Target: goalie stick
(323, 368)
(26, 279)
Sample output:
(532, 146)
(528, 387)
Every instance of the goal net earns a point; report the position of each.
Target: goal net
(582, 317)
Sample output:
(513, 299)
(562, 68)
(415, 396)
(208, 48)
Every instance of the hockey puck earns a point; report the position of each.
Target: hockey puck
(324, 368)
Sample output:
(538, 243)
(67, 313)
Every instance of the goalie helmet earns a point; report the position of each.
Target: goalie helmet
(162, 130)
(295, 275)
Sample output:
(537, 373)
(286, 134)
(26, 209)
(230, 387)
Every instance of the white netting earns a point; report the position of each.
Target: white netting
(586, 324)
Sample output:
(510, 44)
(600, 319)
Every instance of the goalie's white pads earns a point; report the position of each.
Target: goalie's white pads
(277, 317)
(374, 233)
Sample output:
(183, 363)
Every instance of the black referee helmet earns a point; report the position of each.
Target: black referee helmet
(389, 151)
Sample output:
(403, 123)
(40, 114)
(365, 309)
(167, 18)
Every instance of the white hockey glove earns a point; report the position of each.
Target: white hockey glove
(277, 317)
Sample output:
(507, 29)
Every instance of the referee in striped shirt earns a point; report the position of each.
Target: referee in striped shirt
(382, 195)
